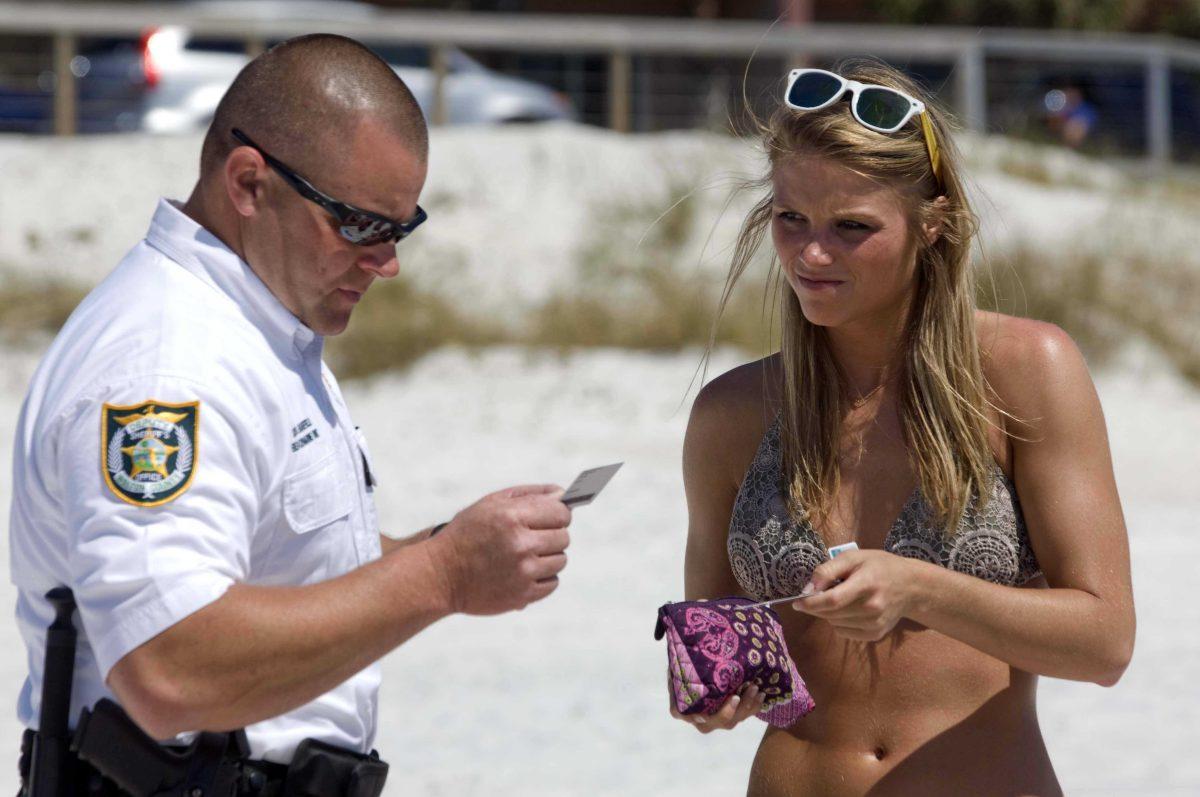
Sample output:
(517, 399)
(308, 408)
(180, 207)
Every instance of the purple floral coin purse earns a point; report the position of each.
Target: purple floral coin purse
(715, 646)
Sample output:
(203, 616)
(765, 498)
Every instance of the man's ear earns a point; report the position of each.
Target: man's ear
(244, 174)
(932, 228)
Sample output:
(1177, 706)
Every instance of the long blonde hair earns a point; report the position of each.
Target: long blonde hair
(943, 394)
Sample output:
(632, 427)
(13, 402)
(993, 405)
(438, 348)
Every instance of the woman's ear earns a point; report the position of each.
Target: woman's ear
(931, 228)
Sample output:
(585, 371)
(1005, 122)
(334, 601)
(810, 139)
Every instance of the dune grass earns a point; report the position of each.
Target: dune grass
(34, 309)
(1101, 302)
(639, 285)
(397, 323)
(653, 300)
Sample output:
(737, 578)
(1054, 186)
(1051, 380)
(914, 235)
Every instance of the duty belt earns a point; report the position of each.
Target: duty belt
(317, 770)
(109, 754)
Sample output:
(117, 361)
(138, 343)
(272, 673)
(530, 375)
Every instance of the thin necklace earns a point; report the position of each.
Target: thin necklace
(865, 397)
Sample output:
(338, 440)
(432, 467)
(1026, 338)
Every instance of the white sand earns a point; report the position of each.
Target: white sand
(606, 733)
(568, 697)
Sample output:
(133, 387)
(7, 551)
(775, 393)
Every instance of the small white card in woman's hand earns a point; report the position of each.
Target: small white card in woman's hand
(837, 549)
(588, 485)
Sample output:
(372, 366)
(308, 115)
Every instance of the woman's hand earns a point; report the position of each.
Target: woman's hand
(736, 709)
(862, 594)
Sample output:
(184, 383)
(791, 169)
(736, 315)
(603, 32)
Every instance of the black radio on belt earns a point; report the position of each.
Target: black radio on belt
(319, 769)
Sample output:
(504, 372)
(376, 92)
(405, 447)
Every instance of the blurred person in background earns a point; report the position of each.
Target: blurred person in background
(1070, 114)
(964, 452)
(186, 464)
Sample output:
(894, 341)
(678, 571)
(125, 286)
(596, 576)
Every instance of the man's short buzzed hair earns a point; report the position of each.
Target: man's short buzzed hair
(303, 95)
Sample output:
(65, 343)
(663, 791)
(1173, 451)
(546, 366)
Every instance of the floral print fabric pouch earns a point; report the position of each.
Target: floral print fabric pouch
(715, 646)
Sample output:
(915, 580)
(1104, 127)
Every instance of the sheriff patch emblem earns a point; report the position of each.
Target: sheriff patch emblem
(149, 450)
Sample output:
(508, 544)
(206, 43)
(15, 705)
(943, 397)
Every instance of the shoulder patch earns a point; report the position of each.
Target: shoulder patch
(148, 450)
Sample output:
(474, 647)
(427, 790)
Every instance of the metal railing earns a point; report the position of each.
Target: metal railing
(965, 53)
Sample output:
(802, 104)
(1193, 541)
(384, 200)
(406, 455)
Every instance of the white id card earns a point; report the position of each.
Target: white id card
(839, 549)
(588, 485)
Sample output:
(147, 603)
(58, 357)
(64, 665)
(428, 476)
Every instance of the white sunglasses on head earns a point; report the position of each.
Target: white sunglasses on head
(879, 108)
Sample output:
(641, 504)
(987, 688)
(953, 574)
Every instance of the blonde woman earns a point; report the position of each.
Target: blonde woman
(964, 452)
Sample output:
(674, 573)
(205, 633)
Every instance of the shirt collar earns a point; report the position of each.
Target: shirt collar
(193, 247)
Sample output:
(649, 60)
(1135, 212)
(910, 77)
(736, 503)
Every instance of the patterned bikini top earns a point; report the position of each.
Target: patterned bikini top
(773, 556)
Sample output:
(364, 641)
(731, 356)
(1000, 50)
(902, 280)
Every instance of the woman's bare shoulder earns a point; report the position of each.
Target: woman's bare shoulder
(1029, 363)
(744, 395)
(731, 414)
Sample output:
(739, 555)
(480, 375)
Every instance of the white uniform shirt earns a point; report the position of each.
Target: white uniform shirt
(182, 434)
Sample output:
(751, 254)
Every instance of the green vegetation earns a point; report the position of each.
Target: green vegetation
(1101, 302)
(1068, 292)
(639, 288)
(34, 309)
(1035, 164)
(635, 288)
(639, 284)
(396, 324)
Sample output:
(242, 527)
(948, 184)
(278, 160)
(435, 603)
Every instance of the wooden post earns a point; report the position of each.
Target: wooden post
(620, 78)
(255, 46)
(440, 62)
(971, 87)
(796, 14)
(65, 98)
(1158, 108)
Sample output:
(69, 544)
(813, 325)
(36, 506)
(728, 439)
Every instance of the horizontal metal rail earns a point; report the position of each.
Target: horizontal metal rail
(603, 34)
(965, 50)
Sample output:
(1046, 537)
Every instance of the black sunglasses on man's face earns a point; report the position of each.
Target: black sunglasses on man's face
(361, 227)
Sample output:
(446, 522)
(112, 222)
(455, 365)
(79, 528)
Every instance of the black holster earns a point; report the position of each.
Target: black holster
(107, 739)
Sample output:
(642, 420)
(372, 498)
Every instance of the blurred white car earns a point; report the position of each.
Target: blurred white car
(185, 76)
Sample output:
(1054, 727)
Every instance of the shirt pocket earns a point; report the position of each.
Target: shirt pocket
(316, 495)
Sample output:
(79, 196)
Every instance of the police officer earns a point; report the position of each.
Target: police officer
(185, 461)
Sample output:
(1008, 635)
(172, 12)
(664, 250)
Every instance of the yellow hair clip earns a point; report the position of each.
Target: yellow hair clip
(935, 156)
